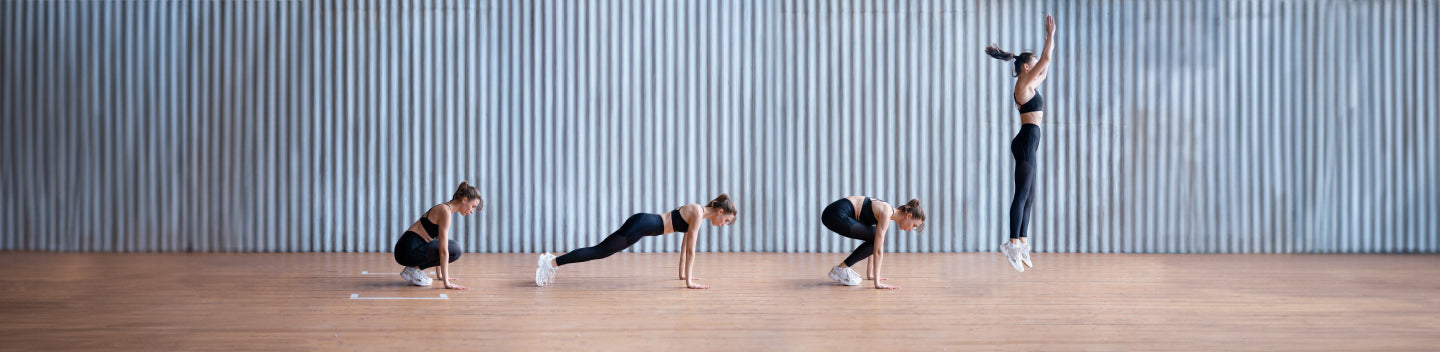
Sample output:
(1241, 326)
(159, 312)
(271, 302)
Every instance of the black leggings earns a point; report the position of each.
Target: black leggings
(1023, 147)
(840, 217)
(414, 251)
(636, 227)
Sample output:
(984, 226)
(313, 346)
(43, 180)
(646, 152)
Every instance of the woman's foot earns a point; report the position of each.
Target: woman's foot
(545, 270)
(1012, 254)
(415, 276)
(1025, 254)
(845, 276)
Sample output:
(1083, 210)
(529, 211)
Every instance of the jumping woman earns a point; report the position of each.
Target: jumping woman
(427, 241)
(866, 219)
(1029, 72)
(686, 218)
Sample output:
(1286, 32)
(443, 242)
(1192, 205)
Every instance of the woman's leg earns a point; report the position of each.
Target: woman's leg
(837, 217)
(1023, 150)
(618, 241)
(410, 250)
(861, 252)
(432, 254)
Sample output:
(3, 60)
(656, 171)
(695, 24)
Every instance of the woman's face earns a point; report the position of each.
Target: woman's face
(722, 219)
(468, 207)
(909, 223)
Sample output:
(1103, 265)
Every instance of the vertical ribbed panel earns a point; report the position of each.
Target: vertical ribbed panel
(1269, 126)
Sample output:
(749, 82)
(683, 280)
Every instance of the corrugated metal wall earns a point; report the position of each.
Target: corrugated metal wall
(1172, 126)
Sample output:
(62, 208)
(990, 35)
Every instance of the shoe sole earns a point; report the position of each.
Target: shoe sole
(540, 278)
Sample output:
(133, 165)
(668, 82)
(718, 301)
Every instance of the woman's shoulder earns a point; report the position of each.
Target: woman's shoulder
(438, 212)
(880, 206)
(691, 209)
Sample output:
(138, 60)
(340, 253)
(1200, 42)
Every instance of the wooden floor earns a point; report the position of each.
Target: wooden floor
(631, 301)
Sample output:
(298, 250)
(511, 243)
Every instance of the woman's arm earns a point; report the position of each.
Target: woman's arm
(878, 258)
(690, 237)
(684, 252)
(696, 214)
(443, 239)
(1042, 66)
(870, 270)
(685, 249)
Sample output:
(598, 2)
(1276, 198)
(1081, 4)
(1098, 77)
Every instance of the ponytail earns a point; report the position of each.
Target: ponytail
(995, 52)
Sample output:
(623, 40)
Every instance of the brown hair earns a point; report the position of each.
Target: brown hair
(914, 210)
(1020, 60)
(723, 203)
(468, 192)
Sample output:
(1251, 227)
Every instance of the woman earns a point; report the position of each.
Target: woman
(859, 217)
(1029, 73)
(428, 239)
(686, 218)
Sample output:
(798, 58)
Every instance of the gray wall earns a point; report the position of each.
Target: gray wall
(1172, 126)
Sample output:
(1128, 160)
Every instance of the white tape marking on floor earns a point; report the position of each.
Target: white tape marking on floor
(357, 296)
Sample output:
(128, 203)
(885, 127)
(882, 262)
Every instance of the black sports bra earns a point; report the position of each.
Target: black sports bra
(431, 229)
(1036, 103)
(677, 222)
(865, 208)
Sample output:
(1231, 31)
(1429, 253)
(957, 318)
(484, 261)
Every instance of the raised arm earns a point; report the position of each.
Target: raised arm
(1042, 66)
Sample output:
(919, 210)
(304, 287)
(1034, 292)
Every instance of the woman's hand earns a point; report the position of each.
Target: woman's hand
(1049, 25)
(885, 287)
(454, 286)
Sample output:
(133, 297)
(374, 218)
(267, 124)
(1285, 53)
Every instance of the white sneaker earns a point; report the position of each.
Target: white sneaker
(845, 276)
(1012, 253)
(545, 270)
(405, 274)
(415, 276)
(1025, 254)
